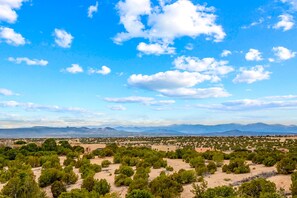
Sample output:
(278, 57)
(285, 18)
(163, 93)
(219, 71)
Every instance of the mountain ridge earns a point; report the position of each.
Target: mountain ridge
(231, 129)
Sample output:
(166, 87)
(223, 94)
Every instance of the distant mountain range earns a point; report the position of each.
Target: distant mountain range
(255, 129)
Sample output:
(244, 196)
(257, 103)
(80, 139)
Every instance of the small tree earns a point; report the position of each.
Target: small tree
(286, 166)
(88, 183)
(294, 184)
(199, 189)
(49, 145)
(256, 187)
(139, 194)
(23, 185)
(57, 188)
(102, 187)
(105, 163)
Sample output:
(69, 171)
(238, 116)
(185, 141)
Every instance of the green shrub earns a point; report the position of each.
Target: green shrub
(139, 194)
(197, 161)
(221, 191)
(169, 168)
(211, 167)
(256, 187)
(102, 187)
(22, 185)
(57, 188)
(49, 176)
(126, 170)
(88, 183)
(236, 166)
(105, 163)
(164, 186)
(286, 166)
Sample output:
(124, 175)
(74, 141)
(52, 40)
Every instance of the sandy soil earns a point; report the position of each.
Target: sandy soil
(282, 181)
(92, 147)
(220, 178)
(164, 147)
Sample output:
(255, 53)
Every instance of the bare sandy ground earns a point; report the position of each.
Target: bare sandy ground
(164, 147)
(220, 178)
(282, 181)
(92, 147)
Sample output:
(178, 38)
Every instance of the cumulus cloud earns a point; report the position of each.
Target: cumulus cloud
(104, 70)
(177, 84)
(155, 48)
(166, 22)
(8, 10)
(6, 92)
(28, 61)
(252, 75)
(117, 108)
(63, 38)
(75, 68)
(206, 66)
(92, 9)
(167, 80)
(226, 53)
(286, 22)
(139, 99)
(283, 53)
(10, 37)
(253, 55)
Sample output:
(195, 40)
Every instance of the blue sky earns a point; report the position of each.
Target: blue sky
(146, 62)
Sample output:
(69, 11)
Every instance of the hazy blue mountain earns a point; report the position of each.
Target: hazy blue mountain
(172, 130)
(203, 129)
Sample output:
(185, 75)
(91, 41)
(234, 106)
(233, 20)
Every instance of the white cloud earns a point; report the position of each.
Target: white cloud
(167, 22)
(206, 66)
(255, 23)
(283, 53)
(196, 93)
(155, 48)
(286, 22)
(167, 80)
(63, 38)
(75, 68)
(38, 107)
(8, 10)
(226, 53)
(292, 3)
(282, 97)
(252, 75)
(250, 104)
(189, 46)
(92, 9)
(7, 92)
(177, 84)
(142, 100)
(253, 55)
(28, 61)
(117, 108)
(130, 13)
(9, 36)
(104, 70)
(130, 99)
